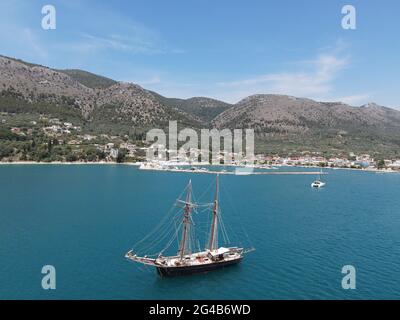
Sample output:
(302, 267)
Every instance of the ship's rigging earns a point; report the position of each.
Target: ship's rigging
(187, 259)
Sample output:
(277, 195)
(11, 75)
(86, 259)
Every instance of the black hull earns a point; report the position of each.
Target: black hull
(180, 271)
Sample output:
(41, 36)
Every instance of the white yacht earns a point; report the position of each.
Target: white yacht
(318, 183)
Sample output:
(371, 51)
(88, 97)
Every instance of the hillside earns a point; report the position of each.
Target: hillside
(89, 79)
(295, 123)
(98, 99)
(201, 108)
(283, 124)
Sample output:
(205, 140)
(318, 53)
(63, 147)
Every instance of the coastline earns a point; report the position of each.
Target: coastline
(69, 163)
(139, 163)
(340, 168)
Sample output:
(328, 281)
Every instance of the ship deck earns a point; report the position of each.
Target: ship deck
(197, 259)
(201, 258)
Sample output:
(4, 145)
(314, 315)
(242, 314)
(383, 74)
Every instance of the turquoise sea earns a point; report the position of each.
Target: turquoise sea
(83, 218)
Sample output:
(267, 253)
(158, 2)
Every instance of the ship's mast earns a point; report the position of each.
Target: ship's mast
(186, 221)
(214, 229)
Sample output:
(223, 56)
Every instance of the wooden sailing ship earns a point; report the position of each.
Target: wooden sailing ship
(186, 261)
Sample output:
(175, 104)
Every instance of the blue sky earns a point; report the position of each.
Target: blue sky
(222, 49)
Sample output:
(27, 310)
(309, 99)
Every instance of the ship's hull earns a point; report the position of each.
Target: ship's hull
(187, 270)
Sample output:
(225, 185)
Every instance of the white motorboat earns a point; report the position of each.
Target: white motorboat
(318, 183)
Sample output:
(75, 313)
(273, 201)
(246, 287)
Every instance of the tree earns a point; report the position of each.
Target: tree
(5, 150)
(381, 164)
(71, 157)
(100, 154)
(121, 155)
(49, 145)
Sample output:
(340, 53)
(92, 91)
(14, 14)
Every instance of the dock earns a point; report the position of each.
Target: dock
(242, 171)
(292, 172)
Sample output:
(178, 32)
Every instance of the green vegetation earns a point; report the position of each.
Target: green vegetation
(380, 164)
(127, 113)
(326, 144)
(204, 109)
(13, 102)
(88, 79)
(31, 142)
(39, 147)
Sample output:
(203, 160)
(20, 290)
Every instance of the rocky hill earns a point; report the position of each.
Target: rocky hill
(305, 123)
(280, 113)
(89, 79)
(202, 109)
(282, 123)
(97, 98)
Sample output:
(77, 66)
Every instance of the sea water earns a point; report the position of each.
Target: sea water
(82, 219)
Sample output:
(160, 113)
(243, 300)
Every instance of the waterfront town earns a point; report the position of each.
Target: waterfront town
(53, 140)
(363, 162)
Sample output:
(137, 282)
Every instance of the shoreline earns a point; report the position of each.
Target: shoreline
(139, 163)
(69, 163)
(353, 169)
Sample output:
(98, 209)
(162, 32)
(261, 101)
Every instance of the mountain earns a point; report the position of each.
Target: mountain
(97, 98)
(305, 123)
(201, 108)
(281, 113)
(89, 79)
(283, 124)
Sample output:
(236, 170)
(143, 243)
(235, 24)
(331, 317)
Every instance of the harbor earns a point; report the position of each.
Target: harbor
(238, 170)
